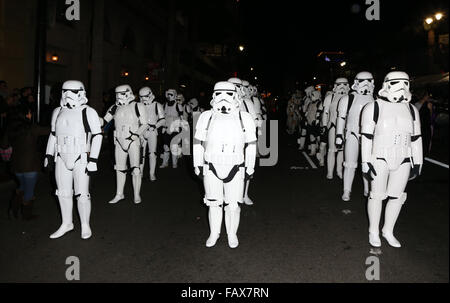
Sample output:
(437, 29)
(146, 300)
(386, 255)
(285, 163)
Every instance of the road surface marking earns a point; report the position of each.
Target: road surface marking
(309, 160)
(437, 162)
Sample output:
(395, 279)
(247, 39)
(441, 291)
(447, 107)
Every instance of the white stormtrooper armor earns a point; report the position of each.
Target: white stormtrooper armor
(312, 117)
(224, 155)
(174, 112)
(155, 120)
(329, 117)
(74, 146)
(246, 105)
(391, 150)
(302, 111)
(347, 128)
(130, 121)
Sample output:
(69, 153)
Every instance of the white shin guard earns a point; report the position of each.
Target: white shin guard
(247, 199)
(84, 210)
(152, 166)
(232, 217)
(215, 216)
(339, 163)
(374, 207)
(66, 205)
(137, 187)
(392, 212)
(121, 178)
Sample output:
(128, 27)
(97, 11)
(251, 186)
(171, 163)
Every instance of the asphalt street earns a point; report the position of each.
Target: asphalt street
(298, 230)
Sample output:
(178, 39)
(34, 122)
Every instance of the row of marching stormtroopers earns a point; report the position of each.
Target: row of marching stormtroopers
(387, 131)
(310, 111)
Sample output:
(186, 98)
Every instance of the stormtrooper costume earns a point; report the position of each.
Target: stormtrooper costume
(74, 146)
(293, 114)
(225, 156)
(312, 117)
(246, 105)
(130, 121)
(348, 128)
(174, 112)
(303, 108)
(155, 120)
(329, 117)
(391, 149)
(323, 131)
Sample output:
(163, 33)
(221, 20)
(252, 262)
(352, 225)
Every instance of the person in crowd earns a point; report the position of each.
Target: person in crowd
(22, 135)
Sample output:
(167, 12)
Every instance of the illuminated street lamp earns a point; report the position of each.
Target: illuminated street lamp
(429, 20)
(343, 63)
(241, 48)
(55, 58)
(251, 68)
(438, 16)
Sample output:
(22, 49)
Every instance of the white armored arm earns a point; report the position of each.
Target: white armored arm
(367, 131)
(96, 134)
(341, 116)
(161, 116)
(250, 140)
(416, 139)
(109, 115)
(142, 119)
(326, 110)
(201, 130)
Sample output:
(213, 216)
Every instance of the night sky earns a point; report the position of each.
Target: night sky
(283, 38)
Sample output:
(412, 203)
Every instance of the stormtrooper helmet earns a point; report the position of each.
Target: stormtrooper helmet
(225, 98)
(341, 86)
(73, 94)
(364, 83)
(252, 90)
(396, 87)
(124, 95)
(146, 95)
(193, 103)
(246, 89)
(171, 96)
(180, 99)
(309, 90)
(239, 88)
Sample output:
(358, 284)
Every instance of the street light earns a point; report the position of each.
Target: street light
(241, 48)
(438, 16)
(343, 63)
(429, 20)
(251, 68)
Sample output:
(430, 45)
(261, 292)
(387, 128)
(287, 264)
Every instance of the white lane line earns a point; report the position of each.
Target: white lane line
(437, 162)
(309, 160)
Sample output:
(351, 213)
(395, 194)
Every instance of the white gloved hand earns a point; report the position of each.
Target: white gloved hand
(91, 167)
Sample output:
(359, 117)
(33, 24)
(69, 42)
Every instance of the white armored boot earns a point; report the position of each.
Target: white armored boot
(137, 187)
(321, 154)
(165, 157)
(232, 217)
(84, 210)
(247, 199)
(175, 160)
(392, 211)
(374, 207)
(331, 160)
(66, 204)
(152, 166)
(121, 178)
(215, 216)
(339, 164)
